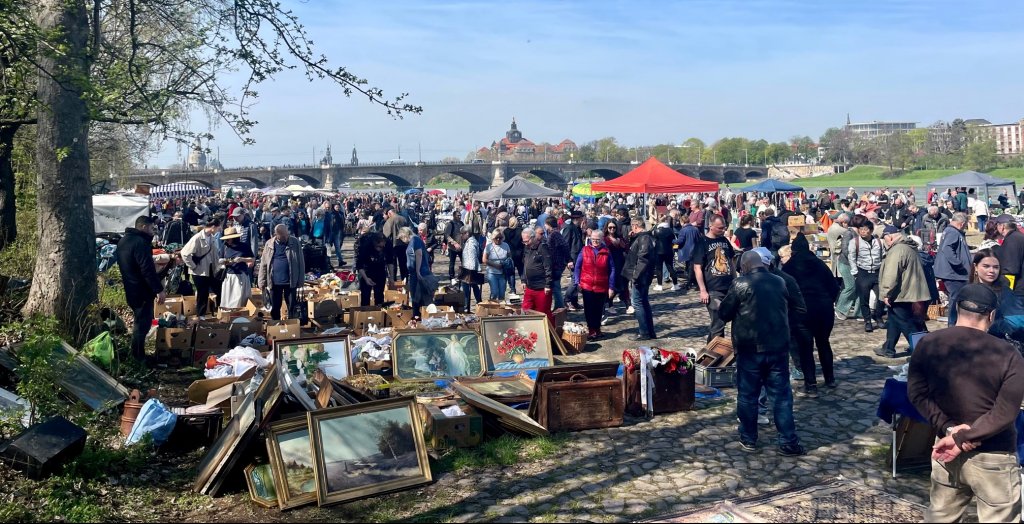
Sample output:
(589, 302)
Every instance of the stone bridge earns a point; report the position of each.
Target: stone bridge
(479, 175)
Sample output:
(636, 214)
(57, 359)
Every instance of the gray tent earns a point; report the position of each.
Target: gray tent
(974, 179)
(516, 187)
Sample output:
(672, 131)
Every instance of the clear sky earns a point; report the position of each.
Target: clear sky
(643, 72)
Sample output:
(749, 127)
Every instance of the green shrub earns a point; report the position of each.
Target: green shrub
(39, 373)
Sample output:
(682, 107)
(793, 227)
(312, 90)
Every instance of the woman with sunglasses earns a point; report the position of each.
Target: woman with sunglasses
(618, 247)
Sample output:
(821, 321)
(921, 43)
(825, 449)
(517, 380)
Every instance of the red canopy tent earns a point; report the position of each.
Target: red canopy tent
(655, 177)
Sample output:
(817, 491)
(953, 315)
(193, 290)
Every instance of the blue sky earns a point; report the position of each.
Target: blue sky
(643, 72)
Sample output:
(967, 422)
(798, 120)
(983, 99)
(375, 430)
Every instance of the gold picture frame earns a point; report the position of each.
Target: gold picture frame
(494, 329)
(506, 417)
(420, 356)
(293, 469)
(260, 479)
(367, 450)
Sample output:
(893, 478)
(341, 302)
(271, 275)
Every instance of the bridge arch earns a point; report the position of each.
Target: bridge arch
(309, 180)
(550, 179)
(755, 174)
(473, 179)
(733, 177)
(712, 176)
(688, 172)
(607, 174)
(394, 179)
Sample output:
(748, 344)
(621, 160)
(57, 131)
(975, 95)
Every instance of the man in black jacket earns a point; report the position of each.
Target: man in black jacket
(451, 236)
(572, 233)
(757, 305)
(1011, 253)
(334, 231)
(559, 259)
(536, 272)
(639, 271)
(141, 285)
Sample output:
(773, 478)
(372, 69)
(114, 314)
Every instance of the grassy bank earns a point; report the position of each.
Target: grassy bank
(878, 176)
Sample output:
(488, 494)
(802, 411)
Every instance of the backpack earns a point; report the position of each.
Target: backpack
(779, 235)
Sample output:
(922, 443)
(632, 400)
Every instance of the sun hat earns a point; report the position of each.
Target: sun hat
(231, 232)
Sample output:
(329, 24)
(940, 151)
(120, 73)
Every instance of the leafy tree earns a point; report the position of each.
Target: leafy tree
(837, 143)
(981, 155)
(132, 63)
(395, 439)
(692, 149)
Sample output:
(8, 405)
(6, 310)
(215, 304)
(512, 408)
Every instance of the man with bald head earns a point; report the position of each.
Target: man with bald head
(757, 304)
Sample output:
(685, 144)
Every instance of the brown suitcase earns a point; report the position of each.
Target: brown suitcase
(573, 398)
(672, 391)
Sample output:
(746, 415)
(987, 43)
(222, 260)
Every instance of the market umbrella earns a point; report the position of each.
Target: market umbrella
(413, 190)
(585, 190)
(436, 192)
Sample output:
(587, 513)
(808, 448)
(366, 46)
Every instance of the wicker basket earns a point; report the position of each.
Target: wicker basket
(935, 311)
(575, 341)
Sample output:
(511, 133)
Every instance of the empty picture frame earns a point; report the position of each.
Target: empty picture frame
(291, 460)
(366, 450)
(432, 355)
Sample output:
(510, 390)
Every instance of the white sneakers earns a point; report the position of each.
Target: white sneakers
(658, 287)
(675, 287)
(455, 281)
(630, 310)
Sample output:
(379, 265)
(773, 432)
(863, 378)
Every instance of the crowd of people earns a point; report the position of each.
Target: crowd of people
(889, 256)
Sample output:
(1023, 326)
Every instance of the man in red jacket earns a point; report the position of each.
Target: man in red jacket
(594, 271)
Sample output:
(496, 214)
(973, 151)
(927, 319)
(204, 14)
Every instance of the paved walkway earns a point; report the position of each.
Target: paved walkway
(680, 461)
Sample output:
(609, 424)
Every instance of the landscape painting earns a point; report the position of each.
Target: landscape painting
(437, 354)
(517, 342)
(291, 459)
(329, 354)
(368, 449)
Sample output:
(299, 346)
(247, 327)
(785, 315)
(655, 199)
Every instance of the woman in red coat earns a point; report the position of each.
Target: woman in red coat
(594, 273)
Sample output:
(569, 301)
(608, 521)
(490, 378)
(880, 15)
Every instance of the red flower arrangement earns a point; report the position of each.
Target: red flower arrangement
(515, 343)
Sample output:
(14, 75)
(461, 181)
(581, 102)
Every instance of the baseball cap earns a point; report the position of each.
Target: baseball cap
(765, 254)
(890, 229)
(977, 298)
(1005, 218)
(238, 212)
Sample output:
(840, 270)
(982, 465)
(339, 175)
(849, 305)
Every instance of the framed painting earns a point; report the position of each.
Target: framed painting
(260, 480)
(291, 460)
(506, 417)
(223, 456)
(517, 342)
(366, 450)
(87, 382)
(330, 354)
(430, 355)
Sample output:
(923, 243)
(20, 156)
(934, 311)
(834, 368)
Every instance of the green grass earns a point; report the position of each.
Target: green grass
(503, 451)
(878, 176)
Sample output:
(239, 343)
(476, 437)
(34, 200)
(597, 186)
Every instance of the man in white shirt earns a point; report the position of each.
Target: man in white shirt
(979, 207)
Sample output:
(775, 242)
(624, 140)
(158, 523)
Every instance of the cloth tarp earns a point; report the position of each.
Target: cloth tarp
(655, 177)
(114, 213)
(516, 187)
(771, 186)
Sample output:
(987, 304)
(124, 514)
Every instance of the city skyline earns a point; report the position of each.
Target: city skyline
(643, 73)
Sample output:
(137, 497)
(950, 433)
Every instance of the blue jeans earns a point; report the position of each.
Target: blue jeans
(557, 298)
(336, 241)
(902, 322)
(497, 284)
(640, 299)
(982, 219)
(771, 371)
(953, 288)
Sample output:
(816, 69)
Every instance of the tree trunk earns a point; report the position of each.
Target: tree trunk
(64, 282)
(8, 215)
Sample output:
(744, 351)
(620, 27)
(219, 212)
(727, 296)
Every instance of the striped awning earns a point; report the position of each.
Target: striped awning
(178, 190)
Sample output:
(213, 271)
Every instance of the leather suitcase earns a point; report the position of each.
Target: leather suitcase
(574, 398)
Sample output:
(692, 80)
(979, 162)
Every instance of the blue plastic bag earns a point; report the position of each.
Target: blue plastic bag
(154, 419)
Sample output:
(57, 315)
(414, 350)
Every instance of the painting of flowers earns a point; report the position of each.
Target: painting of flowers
(517, 342)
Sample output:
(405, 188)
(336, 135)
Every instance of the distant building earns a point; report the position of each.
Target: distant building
(355, 158)
(514, 147)
(196, 158)
(1008, 137)
(878, 129)
(327, 161)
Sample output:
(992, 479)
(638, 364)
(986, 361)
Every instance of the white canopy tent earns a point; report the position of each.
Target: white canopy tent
(114, 213)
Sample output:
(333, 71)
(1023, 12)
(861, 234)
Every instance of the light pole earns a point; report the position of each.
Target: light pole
(745, 161)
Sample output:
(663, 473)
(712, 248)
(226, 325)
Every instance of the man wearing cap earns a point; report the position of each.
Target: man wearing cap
(953, 259)
(757, 305)
(134, 257)
(1011, 253)
(572, 233)
(974, 421)
(902, 285)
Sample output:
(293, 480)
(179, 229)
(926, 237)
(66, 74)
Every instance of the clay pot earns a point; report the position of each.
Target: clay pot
(132, 406)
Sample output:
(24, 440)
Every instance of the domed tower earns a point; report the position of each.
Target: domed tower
(197, 157)
(513, 135)
(327, 160)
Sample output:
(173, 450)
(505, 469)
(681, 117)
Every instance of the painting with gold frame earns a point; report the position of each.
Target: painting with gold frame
(260, 480)
(291, 460)
(517, 342)
(437, 354)
(368, 449)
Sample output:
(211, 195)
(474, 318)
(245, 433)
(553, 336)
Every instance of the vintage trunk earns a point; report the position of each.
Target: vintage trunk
(573, 398)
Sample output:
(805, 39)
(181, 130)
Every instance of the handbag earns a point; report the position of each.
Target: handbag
(471, 277)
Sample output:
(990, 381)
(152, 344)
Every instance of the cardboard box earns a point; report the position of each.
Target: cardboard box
(212, 336)
(363, 316)
(493, 309)
(323, 307)
(189, 306)
(398, 317)
(256, 297)
(347, 300)
(444, 432)
(240, 330)
(398, 297)
(797, 221)
(171, 305)
(221, 397)
(227, 315)
(173, 339)
(199, 390)
(442, 311)
(283, 330)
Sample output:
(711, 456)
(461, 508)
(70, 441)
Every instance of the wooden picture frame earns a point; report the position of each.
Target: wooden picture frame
(505, 416)
(419, 356)
(260, 480)
(366, 450)
(338, 348)
(291, 454)
(494, 329)
(223, 456)
(506, 390)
